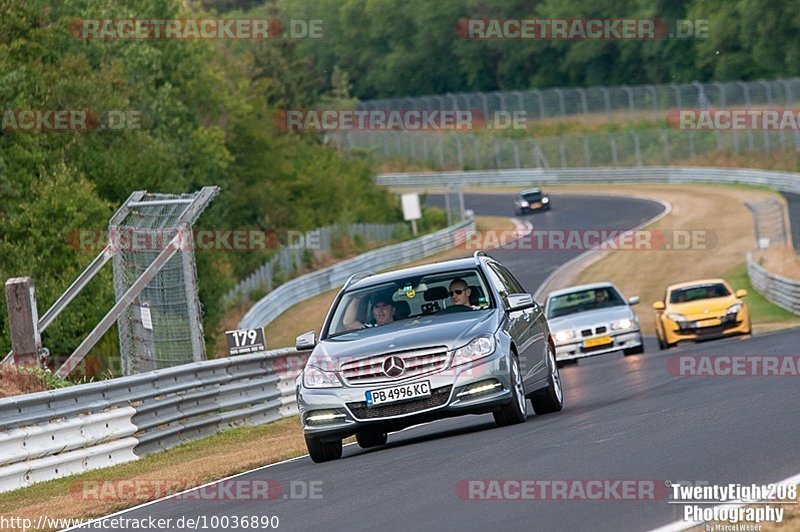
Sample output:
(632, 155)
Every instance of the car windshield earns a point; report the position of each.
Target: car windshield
(406, 298)
(694, 293)
(583, 300)
(532, 196)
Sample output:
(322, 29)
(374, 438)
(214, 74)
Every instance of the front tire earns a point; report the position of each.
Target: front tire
(320, 451)
(551, 398)
(369, 439)
(517, 410)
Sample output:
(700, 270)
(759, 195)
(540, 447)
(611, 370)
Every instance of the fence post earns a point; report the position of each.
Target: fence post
(541, 102)
(23, 320)
(636, 148)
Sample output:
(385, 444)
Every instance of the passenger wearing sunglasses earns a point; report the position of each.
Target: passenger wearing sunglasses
(459, 292)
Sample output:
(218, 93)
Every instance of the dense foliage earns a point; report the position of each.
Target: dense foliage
(206, 118)
(391, 49)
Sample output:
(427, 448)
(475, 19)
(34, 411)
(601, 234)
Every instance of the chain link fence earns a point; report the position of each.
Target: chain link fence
(162, 327)
(560, 102)
(654, 147)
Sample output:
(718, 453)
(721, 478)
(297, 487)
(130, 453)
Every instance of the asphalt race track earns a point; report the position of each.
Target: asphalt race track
(624, 419)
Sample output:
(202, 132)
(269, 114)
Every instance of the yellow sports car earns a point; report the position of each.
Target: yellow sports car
(699, 310)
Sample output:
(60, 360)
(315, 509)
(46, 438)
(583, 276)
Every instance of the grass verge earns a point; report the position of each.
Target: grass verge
(191, 464)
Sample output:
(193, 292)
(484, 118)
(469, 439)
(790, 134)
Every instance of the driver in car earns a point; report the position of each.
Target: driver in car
(460, 292)
(600, 297)
(382, 311)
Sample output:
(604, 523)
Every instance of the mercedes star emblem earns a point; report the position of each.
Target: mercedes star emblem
(393, 366)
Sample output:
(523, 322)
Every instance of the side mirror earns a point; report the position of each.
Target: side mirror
(306, 341)
(519, 302)
(658, 305)
(634, 300)
(741, 293)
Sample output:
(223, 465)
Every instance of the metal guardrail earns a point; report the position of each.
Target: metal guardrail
(313, 284)
(778, 289)
(782, 181)
(52, 434)
(290, 259)
(56, 433)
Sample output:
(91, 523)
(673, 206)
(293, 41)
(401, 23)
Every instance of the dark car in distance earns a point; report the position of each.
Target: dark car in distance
(531, 200)
(424, 343)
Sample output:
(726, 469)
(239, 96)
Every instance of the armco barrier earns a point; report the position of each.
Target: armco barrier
(778, 289)
(781, 291)
(313, 284)
(51, 434)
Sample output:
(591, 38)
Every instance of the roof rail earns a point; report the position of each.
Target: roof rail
(357, 277)
(478, 254)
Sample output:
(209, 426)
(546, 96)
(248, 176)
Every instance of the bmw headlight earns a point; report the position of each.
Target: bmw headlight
(545, 200)
(563, 337)
(478, 348)
(621, 325)
(674, 316)
(735, 308)
(524, 203)
(314, 377)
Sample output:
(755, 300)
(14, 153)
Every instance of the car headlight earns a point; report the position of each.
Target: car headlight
(563, 337)
(674, 316)
(523, 204)
(545, 200)
(622, 324)
(478, 348)
(314, 377)
(735, 308)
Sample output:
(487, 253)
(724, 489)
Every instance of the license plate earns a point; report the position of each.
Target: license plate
(708, 323)
(398, 393)
(594, 342)
(536, 205)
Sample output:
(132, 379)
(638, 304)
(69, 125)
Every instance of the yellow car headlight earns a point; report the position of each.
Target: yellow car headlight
(674, 316)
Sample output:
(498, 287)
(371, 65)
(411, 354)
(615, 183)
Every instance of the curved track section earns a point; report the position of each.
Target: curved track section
(626, 418)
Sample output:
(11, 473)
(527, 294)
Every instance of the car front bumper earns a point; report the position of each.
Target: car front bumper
(619, 341)
(728, 326)
(450, 396)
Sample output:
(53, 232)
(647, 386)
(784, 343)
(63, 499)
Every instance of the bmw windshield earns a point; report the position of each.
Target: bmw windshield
(584, 300)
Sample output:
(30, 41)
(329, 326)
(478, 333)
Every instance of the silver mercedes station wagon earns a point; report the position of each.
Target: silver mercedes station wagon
(424, 343)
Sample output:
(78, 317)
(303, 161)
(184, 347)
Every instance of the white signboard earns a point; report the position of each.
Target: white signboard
(147, 319)
(411, 208)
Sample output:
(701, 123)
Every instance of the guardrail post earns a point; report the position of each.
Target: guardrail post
(23, 320)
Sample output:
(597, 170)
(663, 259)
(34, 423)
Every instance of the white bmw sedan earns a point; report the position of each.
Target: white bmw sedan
(592, 319)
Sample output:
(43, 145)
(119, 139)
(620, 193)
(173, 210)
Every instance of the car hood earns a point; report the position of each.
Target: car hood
(451, 330)
(703, 307)
(591, 318)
